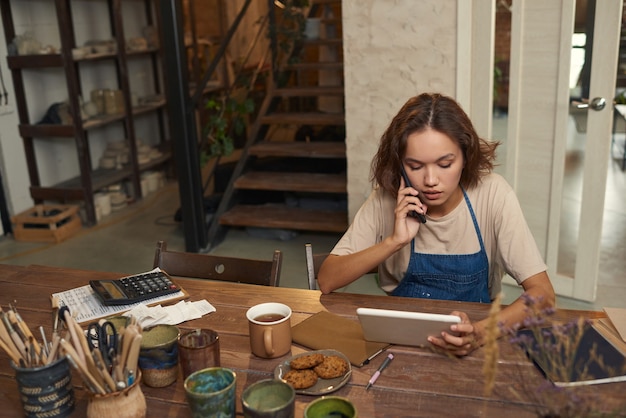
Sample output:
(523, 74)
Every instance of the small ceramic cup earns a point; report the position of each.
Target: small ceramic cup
(271, 398)
(330, 406)
(211, 392)
(198, 349)
(270, 329)
(158, 357)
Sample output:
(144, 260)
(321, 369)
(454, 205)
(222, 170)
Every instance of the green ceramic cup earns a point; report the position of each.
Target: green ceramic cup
(211, 393)
(271, 398)
(330, 407)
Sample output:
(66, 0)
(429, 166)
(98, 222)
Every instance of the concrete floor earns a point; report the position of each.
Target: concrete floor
(124, 242)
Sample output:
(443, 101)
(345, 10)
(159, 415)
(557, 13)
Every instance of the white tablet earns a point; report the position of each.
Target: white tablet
(403, 327)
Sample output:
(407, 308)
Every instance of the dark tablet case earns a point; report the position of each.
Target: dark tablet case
(613, 359)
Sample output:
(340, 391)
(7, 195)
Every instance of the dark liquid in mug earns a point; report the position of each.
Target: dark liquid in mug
(270, 317)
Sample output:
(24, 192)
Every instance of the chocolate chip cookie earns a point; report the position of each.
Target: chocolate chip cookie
(331, 367)
(307, 361)
(301, 379)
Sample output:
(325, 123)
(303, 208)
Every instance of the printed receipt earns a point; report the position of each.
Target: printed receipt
(85, 306)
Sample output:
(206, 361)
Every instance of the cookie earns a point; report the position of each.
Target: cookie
(301, 379)
(307, 361)
(331, 367)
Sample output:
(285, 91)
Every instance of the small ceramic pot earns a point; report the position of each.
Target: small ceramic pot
(158, 357)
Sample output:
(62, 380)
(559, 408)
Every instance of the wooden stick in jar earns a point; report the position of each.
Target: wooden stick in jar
(82, 369)
(8, 341)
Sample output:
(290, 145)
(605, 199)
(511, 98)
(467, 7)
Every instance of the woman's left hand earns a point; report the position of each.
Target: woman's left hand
(462, 338)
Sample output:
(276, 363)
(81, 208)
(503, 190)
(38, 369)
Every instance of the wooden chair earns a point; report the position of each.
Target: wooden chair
(207, 266)
(314, 262)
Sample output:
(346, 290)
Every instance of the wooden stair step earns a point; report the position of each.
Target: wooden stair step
(289, 181)
(311, 118)
(320, 65)
(315, 149)
(285, 217)
(323, 42)
(309, 91)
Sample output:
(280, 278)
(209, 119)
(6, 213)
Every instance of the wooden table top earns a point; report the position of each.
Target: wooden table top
(418, 382)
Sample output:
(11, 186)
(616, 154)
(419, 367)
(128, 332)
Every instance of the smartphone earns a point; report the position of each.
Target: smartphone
(407, 183)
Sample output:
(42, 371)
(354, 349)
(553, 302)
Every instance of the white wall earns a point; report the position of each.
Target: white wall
(393, 50)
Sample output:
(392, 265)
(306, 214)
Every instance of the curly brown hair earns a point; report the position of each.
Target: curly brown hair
(445, 115)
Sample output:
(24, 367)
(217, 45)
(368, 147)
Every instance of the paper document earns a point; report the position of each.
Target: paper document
(148, 316)
(85, 305)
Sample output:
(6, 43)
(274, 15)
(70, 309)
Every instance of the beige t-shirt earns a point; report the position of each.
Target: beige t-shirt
(508, 241)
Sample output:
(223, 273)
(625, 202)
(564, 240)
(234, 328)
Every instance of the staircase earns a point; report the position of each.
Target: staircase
(295, 181)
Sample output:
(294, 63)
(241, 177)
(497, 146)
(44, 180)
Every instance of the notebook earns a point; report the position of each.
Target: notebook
(325, 330)
(403, 327)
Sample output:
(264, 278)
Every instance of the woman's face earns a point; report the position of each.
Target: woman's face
(434, 163)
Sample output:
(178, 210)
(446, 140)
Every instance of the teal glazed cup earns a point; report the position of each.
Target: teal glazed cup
(211, 393)
(270, 398)
(330, 407)
(158, 356)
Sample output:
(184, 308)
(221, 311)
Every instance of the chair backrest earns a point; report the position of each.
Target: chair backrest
(314, 262)
(208, 266)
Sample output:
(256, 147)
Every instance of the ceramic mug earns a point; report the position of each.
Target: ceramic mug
(270, 329)
(158, 356)
(271, 398)
(330, 406)
(211, 392)
(198, 349)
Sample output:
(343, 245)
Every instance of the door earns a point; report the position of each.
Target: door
(536, 143)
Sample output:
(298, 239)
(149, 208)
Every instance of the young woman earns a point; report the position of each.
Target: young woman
(474, 233)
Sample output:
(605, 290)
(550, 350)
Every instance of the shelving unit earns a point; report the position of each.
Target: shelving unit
(90, 179)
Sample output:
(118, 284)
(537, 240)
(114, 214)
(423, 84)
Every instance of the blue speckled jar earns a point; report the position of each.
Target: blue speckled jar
(158, 357)
(46, 391)
(211, 393)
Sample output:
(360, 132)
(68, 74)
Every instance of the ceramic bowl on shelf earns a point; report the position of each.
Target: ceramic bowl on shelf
(108, 162)
(155, 153)
(79, 53)
(137, 44)
(90, 109)
(117, 145)
(143, 158)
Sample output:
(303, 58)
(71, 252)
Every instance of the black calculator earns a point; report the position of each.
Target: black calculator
(135, 288)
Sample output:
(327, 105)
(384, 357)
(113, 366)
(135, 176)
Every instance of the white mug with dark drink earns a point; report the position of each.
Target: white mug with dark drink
(270, 329)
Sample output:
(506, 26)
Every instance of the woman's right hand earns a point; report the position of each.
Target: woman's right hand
(406, 226)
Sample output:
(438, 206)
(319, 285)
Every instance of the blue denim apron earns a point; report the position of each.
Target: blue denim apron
(460, 277)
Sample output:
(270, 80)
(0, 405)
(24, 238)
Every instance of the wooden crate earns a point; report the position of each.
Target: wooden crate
(47, 223)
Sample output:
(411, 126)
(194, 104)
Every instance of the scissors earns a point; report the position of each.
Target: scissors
(103, 337)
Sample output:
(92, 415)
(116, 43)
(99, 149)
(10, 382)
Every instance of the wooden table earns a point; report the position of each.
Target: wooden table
(417, 383)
